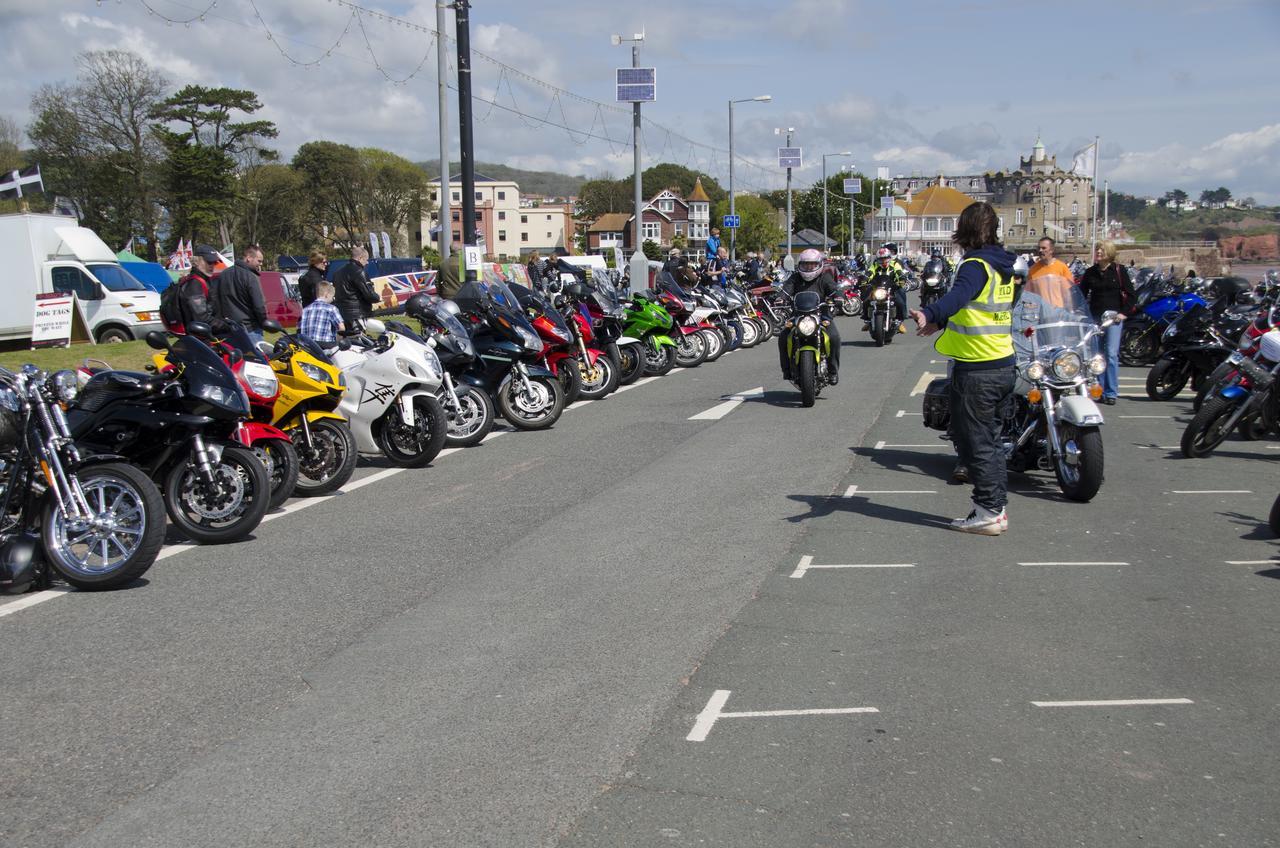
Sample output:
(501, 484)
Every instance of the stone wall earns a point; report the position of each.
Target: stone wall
(1207, 261)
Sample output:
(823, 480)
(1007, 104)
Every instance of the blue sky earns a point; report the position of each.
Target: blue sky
(1182, 93)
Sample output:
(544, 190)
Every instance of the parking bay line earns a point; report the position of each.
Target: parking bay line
(28, 601)
(1073, 563)
(1211, 492)
(883, 445)
(1252, 561)
(1118, 702)
(923, 383)
(902, 412)
(731, 403)
(853, 490)
(806, 564)
(714, 711)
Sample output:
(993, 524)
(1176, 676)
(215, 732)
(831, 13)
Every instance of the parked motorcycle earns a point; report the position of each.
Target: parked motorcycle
(648, 321)
(608, 315)
(91, 518)
(179, 425)
(1055, 422)
(1159, 304)
(392, 380)
(1193, 348)
(467, 403)
(1248, 399)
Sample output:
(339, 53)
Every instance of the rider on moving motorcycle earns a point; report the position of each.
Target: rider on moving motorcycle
(889, 274)
(811, 275)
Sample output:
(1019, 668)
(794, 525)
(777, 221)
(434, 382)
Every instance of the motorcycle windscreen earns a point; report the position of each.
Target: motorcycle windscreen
(457, 336)
(808, 301)
(234, 334)
(1057, 314)
(667, 283)
(207, 376)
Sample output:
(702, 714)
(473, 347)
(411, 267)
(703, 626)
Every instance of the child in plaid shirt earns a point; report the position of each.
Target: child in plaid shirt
(321, 321)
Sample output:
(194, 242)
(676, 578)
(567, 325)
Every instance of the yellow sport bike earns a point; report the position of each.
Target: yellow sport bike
(311, 387)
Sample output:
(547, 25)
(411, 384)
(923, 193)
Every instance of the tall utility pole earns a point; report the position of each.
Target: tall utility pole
(442, 79)
(466, 144)
(733, 232)
(790, 221)
(639, 262)
(824, 194)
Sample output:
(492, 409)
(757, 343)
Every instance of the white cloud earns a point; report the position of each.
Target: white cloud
(1246, 162)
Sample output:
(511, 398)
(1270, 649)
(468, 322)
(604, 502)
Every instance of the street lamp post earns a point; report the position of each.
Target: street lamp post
(733, 232)
(639, 264)
(824, 194)
(790, 224)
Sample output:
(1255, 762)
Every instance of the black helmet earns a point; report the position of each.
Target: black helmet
(418, 306)
(577, 291)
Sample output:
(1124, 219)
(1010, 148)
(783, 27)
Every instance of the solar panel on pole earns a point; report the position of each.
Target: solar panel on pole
(637, 85)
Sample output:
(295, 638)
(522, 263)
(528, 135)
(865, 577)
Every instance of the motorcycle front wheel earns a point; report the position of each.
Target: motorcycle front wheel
(281, 462)
(474, 419)
(691, 350)
(715, 344)
(631, 363)
(129, 512)
(750, 332)
(599, 380)
(330, 461)
(228, 509)
(849, 307)
(536, 409)
(879, 327)
(807, 377)
(569, 373)
(413, 445)
(1166, 378)
(658, 359)
(1080, 480)
(1208, 429)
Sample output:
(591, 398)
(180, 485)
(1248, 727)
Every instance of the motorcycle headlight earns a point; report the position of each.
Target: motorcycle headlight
(1067, 365)
(1170, 331)
(1097, 364)
(807, 325)
(313, 372)
(531, 341)
(64, 385)
(261, 379)
(880, 294)
(432, 362)
(563, 334)
(1035, 371)
(932, 279)
(218, 395)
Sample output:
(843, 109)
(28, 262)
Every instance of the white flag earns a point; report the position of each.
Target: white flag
(1084, 160)
(882, 172)
(373, 245)
(386, 245)
(128, 247)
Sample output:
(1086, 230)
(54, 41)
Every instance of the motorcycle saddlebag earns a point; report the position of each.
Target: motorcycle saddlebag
(937, 405)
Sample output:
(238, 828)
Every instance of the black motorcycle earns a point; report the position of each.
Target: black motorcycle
(528, 395)
(179, 426)
(93, 519)
(935, 280)
(1193, 347)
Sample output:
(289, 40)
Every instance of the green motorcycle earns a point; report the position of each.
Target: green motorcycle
(648, 321)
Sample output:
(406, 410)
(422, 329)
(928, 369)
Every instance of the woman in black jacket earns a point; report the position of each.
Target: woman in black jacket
(1106, 286)
(316, 263)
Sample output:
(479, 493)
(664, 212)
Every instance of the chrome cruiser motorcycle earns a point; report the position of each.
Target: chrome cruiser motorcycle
(96, 520)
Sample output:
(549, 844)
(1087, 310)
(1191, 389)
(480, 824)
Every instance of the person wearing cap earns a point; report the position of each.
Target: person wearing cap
(237, 294)
(674, 262)
(754, 268)
(193, 289)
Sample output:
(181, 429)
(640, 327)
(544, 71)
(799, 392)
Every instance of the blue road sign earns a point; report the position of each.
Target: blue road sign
(732, 222)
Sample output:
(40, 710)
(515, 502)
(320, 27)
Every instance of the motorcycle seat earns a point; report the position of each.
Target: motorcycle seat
(111, 385)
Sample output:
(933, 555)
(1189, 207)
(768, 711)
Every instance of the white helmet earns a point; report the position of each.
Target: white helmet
(810, 265)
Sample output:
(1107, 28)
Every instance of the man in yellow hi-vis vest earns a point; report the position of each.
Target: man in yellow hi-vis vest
(975, 317)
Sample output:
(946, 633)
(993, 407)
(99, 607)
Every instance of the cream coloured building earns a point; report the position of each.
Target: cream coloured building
(507, 229)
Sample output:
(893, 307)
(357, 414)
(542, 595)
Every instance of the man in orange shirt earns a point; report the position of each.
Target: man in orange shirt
(1048, 263)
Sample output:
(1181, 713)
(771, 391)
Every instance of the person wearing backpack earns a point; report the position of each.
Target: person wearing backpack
(187, 300)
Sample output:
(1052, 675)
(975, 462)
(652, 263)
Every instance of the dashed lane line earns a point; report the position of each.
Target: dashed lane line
(1116, 702)
(923, 383)
(731, 403)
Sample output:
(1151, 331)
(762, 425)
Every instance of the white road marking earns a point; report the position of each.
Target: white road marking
(853, 490)
(1211, 492)
(642, 381)
(806, 564)
(1120, 702)
(1146, 416)
(731, 403)
(577, 403)
(1073, 563)
(883, 445)
(28, 601)
(1252, 561)
(1159, 447)
(714, 711)
(923, 383)
(902, 412)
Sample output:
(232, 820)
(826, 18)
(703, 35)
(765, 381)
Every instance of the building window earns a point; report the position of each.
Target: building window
(679, 228)
(548, 217)
(524, 219)
(1071, 230)
(1075, 208)
(457, 237)
(948, 224)
(477, 195)
(931, 225)
(457, 216)
(666, 205)
(1031, 232)
(502, 216)
(652, 231)
(524, 237)
(502, 195)
(1017, 216)
(456, 196)
(1032, 212)
(502, 235)
(548, 235)
(973, 183)
(433, 197)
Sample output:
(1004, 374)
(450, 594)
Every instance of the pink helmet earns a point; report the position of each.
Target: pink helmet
(809, 265)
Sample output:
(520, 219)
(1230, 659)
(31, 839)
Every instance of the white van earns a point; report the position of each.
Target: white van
(52, 253)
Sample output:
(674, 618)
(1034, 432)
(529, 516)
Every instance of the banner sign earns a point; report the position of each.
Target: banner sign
(57, 321)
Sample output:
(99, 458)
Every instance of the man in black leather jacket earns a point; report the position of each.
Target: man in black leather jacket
(810, 275)
(237, 294)
(354, 295)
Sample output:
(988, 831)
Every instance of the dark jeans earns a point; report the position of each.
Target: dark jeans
(833, 364)
(900, 301)
(979, 404)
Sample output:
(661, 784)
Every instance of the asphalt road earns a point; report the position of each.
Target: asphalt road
(515, 646)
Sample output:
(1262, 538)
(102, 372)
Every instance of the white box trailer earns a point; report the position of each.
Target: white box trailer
(52, 253)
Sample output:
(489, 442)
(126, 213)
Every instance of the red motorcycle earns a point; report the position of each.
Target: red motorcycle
(600, 372)
(559, 351)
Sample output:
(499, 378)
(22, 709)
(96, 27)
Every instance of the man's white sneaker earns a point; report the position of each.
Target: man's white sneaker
(982, 521)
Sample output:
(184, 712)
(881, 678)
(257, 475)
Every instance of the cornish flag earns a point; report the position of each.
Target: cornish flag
(16, 181)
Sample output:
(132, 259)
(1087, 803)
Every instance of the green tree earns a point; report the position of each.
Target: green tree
(651, 249)
(759, 230)
(97, 139)
(272, 208)
(602, 196)
(397, 191)
(1221, 194)
(667, 175)
(807, 205)
(1175, 196)
(334, 182)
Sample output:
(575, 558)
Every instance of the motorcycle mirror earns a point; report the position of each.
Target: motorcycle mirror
(374, 326)
(344, 344)
(200, 330)
(157, 340)
(272, 326)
